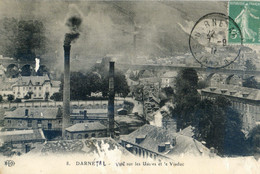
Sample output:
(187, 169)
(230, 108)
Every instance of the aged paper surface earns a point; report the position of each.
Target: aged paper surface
(129, 86)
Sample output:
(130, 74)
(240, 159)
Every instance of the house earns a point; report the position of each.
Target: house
(35, 87)
(49, 118)
(245, 100)
(157, 143)
(6, 87)
(167, 79)
(86, 130)
(33, 118)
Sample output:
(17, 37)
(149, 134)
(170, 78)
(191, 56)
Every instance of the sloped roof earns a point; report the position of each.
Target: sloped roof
(80, 127)
(237, 91)
(100, 146)
(33, 113)
(55, 83)
(155, 136)
(170, 74)
(34, 80)
(22, 135)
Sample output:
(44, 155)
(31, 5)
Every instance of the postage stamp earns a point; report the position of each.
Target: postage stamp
(246, 14)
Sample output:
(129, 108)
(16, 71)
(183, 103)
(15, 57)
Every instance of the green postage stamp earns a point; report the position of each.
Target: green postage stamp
(247, 16)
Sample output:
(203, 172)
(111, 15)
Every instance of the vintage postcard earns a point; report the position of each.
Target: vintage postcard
(129, 86)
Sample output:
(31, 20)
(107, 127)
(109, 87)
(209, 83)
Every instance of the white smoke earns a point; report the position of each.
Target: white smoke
(37, 64)
(158, 116)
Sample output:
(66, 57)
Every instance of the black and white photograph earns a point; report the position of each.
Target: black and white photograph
(149, 86)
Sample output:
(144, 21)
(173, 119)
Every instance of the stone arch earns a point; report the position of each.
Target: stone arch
(97, 106)
(208, 78)
(12, 71)
(26, 70)
(229, 78)
(234, 79)
(42, 70)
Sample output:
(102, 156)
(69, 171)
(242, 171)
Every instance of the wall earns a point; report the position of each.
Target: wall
(86, 134)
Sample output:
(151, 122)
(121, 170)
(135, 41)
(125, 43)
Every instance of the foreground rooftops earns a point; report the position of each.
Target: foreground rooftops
(155, 138)
(234, 91)
(18, 136)
(100, 146)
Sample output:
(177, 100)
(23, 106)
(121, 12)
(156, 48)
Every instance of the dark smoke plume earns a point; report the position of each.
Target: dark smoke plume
(73, 23)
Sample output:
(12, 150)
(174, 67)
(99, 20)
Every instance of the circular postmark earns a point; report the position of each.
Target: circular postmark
(210, 40)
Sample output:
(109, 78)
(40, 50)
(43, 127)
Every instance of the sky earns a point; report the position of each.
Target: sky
(162, 27)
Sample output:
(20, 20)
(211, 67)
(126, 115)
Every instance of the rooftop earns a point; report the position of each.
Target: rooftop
(51, 113)
(22, 135)
(32, 113)
(33, 80)
(100, 146)
(155, 136)
(170, 74)
(80, 127)
(234, 91)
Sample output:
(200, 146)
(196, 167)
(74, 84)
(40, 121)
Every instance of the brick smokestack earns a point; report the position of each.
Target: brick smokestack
(111, 99)
(66, 90)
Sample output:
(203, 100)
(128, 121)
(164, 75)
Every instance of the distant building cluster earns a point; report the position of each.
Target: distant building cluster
(30, 87)
(245, 100)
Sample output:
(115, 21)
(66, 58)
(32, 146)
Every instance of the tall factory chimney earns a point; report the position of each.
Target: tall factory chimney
(111, 99)
(73, 23)
(66, 89)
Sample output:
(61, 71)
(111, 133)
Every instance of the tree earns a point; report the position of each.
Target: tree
(56, 96)
(24, 39)
(220, 126)
(254, 140)
(28, 95)
(42, 70)
(186, 97)
(10, 97)
(250, 66)
(168, 91)
(26, 70)
(251, 83)
(120, 84)
(12, 71)
(46, 97)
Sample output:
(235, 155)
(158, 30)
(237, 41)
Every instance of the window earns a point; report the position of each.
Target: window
(30, 87)
(29, 123)
(40, 95)
(35, 88)
(34, 95)
(40, 88)
(93, 135)
(39, 121)
(9, 121)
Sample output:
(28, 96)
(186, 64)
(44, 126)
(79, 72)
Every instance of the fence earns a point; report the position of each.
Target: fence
(92, 103)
